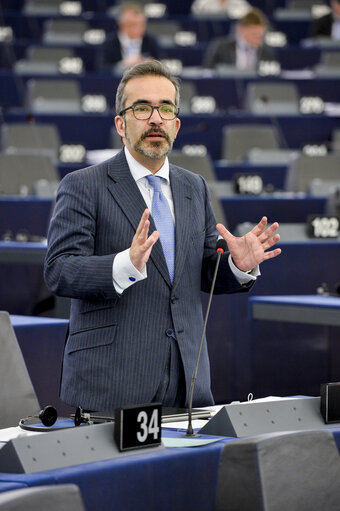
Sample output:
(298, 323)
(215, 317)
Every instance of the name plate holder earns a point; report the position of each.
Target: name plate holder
(137, 427)
(261, 417)
(59, 448)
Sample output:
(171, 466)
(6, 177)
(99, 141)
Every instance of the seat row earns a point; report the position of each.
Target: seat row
(31, 157)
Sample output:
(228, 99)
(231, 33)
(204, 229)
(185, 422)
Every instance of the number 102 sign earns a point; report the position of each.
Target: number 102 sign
(139, 426)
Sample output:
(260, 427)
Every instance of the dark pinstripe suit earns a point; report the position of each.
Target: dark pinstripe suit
(117, 347)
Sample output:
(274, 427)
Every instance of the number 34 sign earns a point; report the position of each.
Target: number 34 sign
(138, 426)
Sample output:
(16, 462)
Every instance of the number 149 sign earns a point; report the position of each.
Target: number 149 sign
(138, 426)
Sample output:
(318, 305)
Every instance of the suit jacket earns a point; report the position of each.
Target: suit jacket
(116, 348)
(322, 26)
(112, 51)
(223, 51)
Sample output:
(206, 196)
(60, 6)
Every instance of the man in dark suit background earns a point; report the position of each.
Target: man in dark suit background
(136, 319)
(328, 25)
(131, 44)
(245, 48)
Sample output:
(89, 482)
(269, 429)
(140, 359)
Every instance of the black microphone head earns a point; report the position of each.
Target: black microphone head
(221, 245)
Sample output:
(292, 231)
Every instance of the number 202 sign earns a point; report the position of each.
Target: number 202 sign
(139, 426)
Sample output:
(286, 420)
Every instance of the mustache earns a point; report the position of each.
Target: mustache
(156, 130)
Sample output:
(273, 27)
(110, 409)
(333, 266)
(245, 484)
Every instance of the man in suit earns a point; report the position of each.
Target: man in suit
(328, 25)
(246, 48)
(136, 316)
(131, 44)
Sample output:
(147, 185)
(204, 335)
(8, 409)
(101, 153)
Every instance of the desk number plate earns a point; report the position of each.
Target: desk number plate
(323, 226)
(139, 426)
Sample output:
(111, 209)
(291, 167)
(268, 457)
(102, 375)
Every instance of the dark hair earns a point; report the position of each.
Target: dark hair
(148, 67)
(253, 17)
(130, 6)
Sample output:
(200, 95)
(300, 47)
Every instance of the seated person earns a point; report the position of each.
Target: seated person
(131, 44)
(246, 48)
(228, 7)
(328, 25)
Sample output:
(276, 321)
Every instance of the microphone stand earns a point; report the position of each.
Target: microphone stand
(220, 250)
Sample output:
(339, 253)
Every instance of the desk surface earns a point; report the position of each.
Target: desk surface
(181, 479)
(309, 309)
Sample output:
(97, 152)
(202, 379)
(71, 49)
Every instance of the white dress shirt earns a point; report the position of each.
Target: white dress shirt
(336, 29)
(124, 273)
(130, 47)
(246, 56)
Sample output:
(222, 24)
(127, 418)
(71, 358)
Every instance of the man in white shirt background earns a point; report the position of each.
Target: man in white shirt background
(131, 43)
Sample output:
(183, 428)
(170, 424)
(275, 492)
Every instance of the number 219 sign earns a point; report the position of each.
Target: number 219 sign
(138, 426)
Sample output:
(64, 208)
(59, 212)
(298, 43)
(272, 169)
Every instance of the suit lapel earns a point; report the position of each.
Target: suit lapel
(123, 188)
(126, 193)
(182, 198)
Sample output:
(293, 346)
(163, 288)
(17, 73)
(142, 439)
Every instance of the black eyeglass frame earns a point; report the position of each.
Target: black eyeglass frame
(132, 107)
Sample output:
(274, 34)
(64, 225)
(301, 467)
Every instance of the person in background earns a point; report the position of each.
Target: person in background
(131, 44)
(232, 8)
(328, 25)
(246, 48)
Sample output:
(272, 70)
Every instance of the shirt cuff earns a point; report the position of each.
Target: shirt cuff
(241, 276)
(124, 273)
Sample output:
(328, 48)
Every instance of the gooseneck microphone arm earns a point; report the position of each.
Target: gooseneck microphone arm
(221, 246)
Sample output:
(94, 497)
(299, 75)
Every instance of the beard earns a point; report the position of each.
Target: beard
(156, 149)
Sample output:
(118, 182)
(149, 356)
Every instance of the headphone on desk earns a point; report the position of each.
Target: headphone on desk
(49, 415)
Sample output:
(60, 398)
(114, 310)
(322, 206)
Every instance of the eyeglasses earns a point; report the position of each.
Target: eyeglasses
(143, 111)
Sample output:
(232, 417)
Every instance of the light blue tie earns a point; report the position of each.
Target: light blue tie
(164, 223)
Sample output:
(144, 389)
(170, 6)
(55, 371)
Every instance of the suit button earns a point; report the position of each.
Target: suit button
(174, 299)
(169, 332)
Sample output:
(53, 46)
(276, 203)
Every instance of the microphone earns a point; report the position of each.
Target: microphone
(221, 247)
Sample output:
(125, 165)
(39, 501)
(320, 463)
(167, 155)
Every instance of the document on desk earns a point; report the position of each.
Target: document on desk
(184, 441)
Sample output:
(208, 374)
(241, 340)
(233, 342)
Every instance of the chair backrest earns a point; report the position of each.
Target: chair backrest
(46, 54)
(296, 471)
(42, 7)
(217, 205)
(36, 139)
(164, 31)
(64, 497)
(64, 31)
(53, 96)
(271, 156)
(336, 140)
(17, 395)
(188, 91)
(42, 60)
(320, 187)
(196, 163)
(19, 173)
(306, 168)
(272, 98)
(333, 202)
(329, 64)
(238, 140)
(331, 58)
